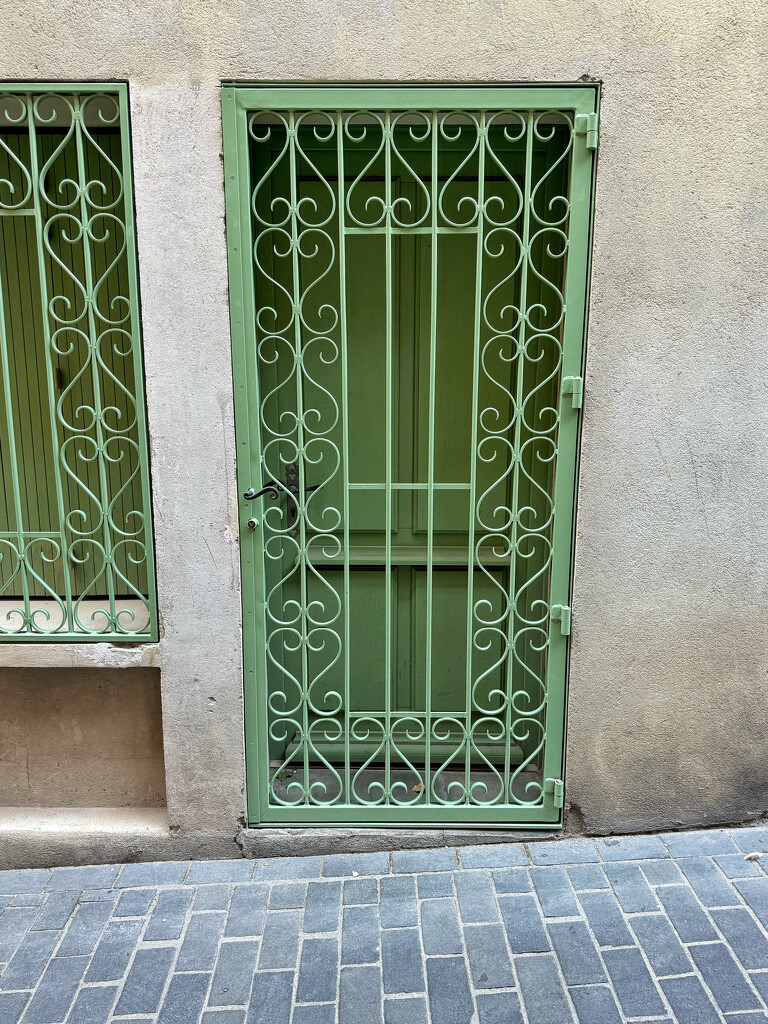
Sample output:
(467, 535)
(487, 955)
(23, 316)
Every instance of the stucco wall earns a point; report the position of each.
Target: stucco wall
(81, 738)
(668, 712)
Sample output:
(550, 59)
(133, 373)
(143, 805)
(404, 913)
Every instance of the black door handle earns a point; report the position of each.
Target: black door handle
(270, 489)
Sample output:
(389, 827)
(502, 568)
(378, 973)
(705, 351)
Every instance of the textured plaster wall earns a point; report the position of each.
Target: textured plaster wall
(668, 710)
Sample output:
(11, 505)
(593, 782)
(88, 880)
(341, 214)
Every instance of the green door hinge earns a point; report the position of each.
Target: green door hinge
(586, 124)
(563, 613)
(556, 788)
(574, 386)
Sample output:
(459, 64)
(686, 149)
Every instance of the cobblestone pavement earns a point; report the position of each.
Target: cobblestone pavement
(662, 928)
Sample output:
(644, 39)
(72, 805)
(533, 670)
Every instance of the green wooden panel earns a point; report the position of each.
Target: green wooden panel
(75, 524)
(399, 340)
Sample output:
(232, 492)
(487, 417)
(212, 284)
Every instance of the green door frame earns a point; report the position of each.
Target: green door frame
(580, 102)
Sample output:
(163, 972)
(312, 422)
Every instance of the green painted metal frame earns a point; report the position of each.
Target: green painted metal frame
(238, 103)
(113, 624)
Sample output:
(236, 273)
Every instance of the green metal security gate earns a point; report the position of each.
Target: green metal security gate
(408, 273)
(76, 556)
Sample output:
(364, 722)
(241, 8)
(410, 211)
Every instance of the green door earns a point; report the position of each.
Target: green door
(408, 328)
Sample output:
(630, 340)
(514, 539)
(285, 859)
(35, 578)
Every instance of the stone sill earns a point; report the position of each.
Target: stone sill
(80, 655)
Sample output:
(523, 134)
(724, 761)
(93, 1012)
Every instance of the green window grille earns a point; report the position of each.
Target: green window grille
(408, 274)
(76, 553)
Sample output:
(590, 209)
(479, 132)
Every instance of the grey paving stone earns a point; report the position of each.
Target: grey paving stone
(662, 947)
(412, 1010)
(494, 855)
(434, 884)
(280, 942)
(698, 844)
(212, 897)
(554, 892)
(749, 840)
(564, 851)
(93, 1005)
(77, 879)
(271, 997)
(689, 920)
(661, 872)
(587, 876)
(184, 999)
(576, 952)
(595, 1004)
(605, 918)
(222, 1017)
(632, 891)
(169, 915)
(30, 899)
(743, 936)
(134, 903)
(29, 960)
(523, 923)
(360, 935)
(318, 971)
(409, 861)
(489, 963)
(499, 1008)
(723, 978)
(338, 864)
(6, 900)
(708, 883)
(85, 929)
(754, 892)
(760, 981)
(57, 911)
(201, 942)
(246, 911)
(14, 924)
(690, 1003)
(398, 902)
(144, 985)
(477, 900)
(285, 869)
(633, 984)
(113, 953)
(734, 866)
(12, 1006)
(137, 876)
(208, 871)
(440, 930)
(97, 896)
(314, 1013)
(542, 990)
(287, 895)
(631, 848)
(323, 907)
(360, 890)
(450, 1000)
(359, 995)
(746, 1018)
(511, 880)
(26, 880)
(56, 991)
(401, 961)
(233, 975)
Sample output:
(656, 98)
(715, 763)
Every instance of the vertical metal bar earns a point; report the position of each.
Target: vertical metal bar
(52, 415)
(344, 443)
(94, 336)
(7, 394)
(475, 412)
(388, 457)
(296, 297)
(519, 396)
(431, 457)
